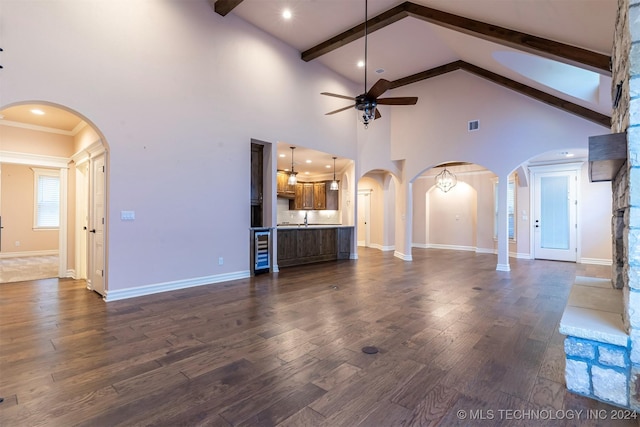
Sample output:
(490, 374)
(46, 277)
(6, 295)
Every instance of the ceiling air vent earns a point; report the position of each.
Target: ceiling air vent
(473, 125)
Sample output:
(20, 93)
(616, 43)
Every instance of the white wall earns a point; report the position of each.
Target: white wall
(178, 92)
(513, 128)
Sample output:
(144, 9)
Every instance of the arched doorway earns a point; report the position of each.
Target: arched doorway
(58, 159)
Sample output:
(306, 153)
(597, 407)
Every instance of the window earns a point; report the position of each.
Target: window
(47, 198)
(511, 209)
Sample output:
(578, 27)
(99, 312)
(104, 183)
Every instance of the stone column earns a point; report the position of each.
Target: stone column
(626, 185)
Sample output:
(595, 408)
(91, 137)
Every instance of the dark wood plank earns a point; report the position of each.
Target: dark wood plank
(223, 7)
(286, 349)
(573, 55)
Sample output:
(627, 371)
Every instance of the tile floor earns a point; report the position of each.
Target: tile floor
(28, 268)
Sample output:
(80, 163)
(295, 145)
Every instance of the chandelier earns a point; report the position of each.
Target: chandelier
(445, 180)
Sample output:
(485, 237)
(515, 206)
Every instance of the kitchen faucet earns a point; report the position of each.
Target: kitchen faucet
(306, 223)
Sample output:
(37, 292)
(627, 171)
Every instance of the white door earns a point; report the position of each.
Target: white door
(96, 225)
(364, 218)
(555, 215)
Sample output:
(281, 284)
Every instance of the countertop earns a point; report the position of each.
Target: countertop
(296, 226)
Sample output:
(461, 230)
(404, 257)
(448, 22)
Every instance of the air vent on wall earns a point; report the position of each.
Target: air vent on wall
(473, 125)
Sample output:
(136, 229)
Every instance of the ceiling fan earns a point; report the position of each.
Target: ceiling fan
(367, 102)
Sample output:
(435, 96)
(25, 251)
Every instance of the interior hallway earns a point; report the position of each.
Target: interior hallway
(285, 349)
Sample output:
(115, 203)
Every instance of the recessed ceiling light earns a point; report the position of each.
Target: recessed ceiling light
(37, 111)
(308, 161)
(360, 64)
(328, 166)
(286, 14)
(283, 155)
(306, 173)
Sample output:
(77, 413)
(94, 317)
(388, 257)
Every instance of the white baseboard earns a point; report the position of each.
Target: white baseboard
(596, 261)
(119, 294)
(71, 273)
(452, 247)
(503, 267)
(353, 256)
(361, 243)
(382, 248)
(28, 253)
(402, 256)
(519, 255)
(486, 251)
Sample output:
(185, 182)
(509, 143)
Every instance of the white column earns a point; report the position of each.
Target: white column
(503, 225)
(404, 218)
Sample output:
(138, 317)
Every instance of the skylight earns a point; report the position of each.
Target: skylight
(574, 81)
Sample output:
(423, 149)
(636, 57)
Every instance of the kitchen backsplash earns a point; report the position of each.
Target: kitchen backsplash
(297, 217)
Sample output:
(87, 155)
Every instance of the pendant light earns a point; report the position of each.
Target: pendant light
(445, 180)
(334, 183)
(292, 174)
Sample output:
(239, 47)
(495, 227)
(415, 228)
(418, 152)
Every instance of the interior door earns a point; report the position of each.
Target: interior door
(364, 219)
(555, 215)
(96, 224)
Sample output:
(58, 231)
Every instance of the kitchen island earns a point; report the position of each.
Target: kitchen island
(314, 243)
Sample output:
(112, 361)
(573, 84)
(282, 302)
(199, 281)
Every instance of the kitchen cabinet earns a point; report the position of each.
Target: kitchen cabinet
(331, 202)
(319, 195)
(304, 245)
(256, 185)
(296, 203)
(307, 195)
(314, 195)
(256, 174)
(283, 189)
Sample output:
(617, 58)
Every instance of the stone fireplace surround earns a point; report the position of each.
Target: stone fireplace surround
(602, 317)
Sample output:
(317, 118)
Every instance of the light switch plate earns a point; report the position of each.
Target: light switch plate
(127, 215)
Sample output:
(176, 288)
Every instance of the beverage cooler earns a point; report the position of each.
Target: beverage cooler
(260, 250)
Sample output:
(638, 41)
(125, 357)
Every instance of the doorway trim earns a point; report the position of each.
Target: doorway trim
(62, 164)
(575, 167)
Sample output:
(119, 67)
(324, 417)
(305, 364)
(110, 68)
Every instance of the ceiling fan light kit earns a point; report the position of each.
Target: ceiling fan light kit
(366, 104)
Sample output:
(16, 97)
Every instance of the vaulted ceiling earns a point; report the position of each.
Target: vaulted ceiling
(556, 51)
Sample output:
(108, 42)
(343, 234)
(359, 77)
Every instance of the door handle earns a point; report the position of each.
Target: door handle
(92, 231)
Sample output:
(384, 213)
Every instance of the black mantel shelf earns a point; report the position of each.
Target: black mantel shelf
(607, 154)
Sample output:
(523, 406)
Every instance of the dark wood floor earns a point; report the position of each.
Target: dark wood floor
(454, 335)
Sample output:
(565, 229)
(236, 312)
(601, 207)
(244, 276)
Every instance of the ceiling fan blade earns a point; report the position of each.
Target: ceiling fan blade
(337, 111)
(338, 96)
(378, 115)
(405, 100)
(378, 89)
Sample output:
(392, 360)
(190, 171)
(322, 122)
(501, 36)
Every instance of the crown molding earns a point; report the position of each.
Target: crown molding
(28, 126)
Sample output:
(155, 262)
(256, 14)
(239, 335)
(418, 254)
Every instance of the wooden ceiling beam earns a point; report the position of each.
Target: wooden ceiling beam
(529, 91)
(223, 7)
(572, 55)
(374, 24)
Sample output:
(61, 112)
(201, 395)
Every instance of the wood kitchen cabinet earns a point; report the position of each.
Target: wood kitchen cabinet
(319, 195)
(283, 189)
(302, 245)
(331, 202)
(307, 195)
(314, 195)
